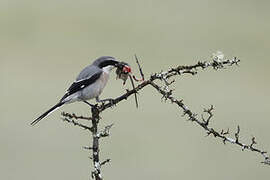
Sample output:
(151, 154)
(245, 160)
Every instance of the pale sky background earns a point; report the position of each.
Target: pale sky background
(45, 44)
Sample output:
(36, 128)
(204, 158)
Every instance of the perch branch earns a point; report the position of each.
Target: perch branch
(165, 75)
(167, 94)
(96, 173)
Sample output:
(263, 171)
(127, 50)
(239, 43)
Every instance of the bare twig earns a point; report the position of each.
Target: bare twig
(205, 125)
(73, 115)
(135, 94)
(69, 118)
(140, 68)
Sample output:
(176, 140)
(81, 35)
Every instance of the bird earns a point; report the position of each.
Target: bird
(89, 84)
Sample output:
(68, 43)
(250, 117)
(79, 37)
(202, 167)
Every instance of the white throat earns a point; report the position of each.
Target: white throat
(107, 69)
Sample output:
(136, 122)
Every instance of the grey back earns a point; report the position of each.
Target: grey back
(88, 72)
(92, 69)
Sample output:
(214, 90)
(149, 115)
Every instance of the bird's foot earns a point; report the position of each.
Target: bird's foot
(110, 100)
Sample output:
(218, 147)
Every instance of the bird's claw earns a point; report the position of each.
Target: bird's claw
(110, 101)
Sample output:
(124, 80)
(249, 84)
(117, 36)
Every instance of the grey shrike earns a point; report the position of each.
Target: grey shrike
(89, 83)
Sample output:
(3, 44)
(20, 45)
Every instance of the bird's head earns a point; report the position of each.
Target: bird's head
(107, 63)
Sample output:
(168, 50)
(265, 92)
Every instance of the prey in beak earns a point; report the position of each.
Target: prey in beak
(123, 72)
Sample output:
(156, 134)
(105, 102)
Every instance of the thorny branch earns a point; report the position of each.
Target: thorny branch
(69, 118)
(216, 63)
(96, 135)
(205, 125)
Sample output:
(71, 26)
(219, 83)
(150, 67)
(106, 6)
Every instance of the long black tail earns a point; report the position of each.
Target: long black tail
(46, 113)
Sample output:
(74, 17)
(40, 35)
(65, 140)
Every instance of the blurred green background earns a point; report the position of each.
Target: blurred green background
(44, 45)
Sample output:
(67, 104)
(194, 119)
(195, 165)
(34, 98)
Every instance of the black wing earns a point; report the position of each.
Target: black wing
(81, 84)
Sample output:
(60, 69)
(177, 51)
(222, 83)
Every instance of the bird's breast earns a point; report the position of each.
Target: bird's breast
(103, 80)
(95, 89)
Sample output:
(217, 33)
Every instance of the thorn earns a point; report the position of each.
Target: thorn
(237, 134)
(87, 148)
(104, 162)
(253, 142)
(224, 141)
